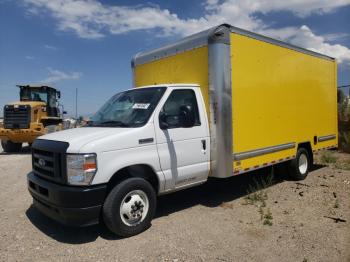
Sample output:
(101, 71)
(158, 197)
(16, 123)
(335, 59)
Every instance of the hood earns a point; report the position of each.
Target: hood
(78, 137)
(101, 139)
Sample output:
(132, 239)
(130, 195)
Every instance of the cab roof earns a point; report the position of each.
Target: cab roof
(43, 86)
(170, 85)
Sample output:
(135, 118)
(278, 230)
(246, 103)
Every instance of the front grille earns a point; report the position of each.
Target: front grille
(44, 162)
(16, 116)
(49, 159)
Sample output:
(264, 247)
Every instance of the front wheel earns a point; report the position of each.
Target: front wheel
(130, 207)
(300, 166)
(10, 147)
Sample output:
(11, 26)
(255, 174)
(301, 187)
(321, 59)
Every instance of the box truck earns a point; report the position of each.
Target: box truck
(218, 103)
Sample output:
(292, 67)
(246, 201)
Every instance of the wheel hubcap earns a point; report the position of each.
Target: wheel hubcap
(302, 163)
(134, 207)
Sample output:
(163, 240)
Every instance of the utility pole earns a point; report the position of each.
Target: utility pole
(76, 103)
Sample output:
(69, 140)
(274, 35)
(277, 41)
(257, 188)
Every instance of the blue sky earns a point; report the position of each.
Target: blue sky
(89, 44)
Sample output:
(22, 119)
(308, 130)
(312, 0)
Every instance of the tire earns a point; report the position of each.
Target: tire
(300, 166)
(124, 217)
(11, 147)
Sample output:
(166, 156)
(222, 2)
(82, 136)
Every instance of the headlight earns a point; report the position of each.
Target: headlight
(81, 168)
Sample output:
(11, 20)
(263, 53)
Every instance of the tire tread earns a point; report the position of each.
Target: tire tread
(111, 216)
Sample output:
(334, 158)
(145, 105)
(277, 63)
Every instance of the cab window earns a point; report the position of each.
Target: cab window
(178, 98)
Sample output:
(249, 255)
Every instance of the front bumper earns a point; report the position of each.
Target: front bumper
(20, 135)
(69, 205)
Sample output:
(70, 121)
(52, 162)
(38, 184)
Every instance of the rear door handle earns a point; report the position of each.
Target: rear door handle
(204, 144)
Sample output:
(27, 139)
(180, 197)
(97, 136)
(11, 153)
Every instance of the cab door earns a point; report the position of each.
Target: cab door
(183, 151)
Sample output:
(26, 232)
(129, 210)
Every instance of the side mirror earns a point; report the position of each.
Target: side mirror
(187, 117)
(64, 112)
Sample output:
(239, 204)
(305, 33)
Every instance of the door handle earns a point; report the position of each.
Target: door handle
(146, 140)
(204, 144)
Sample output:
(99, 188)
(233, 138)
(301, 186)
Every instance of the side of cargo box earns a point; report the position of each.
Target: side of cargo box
(282, 99)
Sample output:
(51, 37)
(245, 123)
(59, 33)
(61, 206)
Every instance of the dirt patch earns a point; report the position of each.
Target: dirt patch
(220, 221)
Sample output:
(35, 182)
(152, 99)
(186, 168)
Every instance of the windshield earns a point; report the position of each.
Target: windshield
(28, 94)
(131, 108)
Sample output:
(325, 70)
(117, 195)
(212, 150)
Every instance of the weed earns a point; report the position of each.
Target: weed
(265, 183)
(261, 212)
(336, 204)
(267, 222)
(257, 199)
(268, 215)
(262, 183)
(305, 259)
(344, 165)
(256, 195)
(328, 158)
(268, 218)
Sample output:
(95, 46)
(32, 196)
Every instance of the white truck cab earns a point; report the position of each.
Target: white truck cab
(156, 135)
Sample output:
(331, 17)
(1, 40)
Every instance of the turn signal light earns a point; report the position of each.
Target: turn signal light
(89, 166)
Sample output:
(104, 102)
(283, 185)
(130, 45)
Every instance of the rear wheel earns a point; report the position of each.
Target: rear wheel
(10, 147)
(130, 207)
(300, 166)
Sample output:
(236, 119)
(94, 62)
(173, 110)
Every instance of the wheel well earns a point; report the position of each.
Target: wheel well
(307, 146)
(143, 171)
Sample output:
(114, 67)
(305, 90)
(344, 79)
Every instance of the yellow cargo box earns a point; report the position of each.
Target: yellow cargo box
(265, 99)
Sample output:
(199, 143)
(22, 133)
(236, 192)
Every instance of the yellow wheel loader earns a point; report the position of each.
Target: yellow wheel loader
(37, 113)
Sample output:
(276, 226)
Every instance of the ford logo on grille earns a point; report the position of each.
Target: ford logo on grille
(41, 162)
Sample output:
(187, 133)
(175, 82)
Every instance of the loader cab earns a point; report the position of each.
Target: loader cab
(45, 94)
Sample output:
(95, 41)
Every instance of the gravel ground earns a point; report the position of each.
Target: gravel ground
(213, 222)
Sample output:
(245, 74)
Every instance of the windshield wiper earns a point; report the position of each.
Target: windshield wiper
(113, 123)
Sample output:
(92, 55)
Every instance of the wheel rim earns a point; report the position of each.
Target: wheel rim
(302, 163)
(134, 207)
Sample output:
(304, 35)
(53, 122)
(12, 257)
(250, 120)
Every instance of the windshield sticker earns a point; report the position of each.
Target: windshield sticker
(140, 106)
